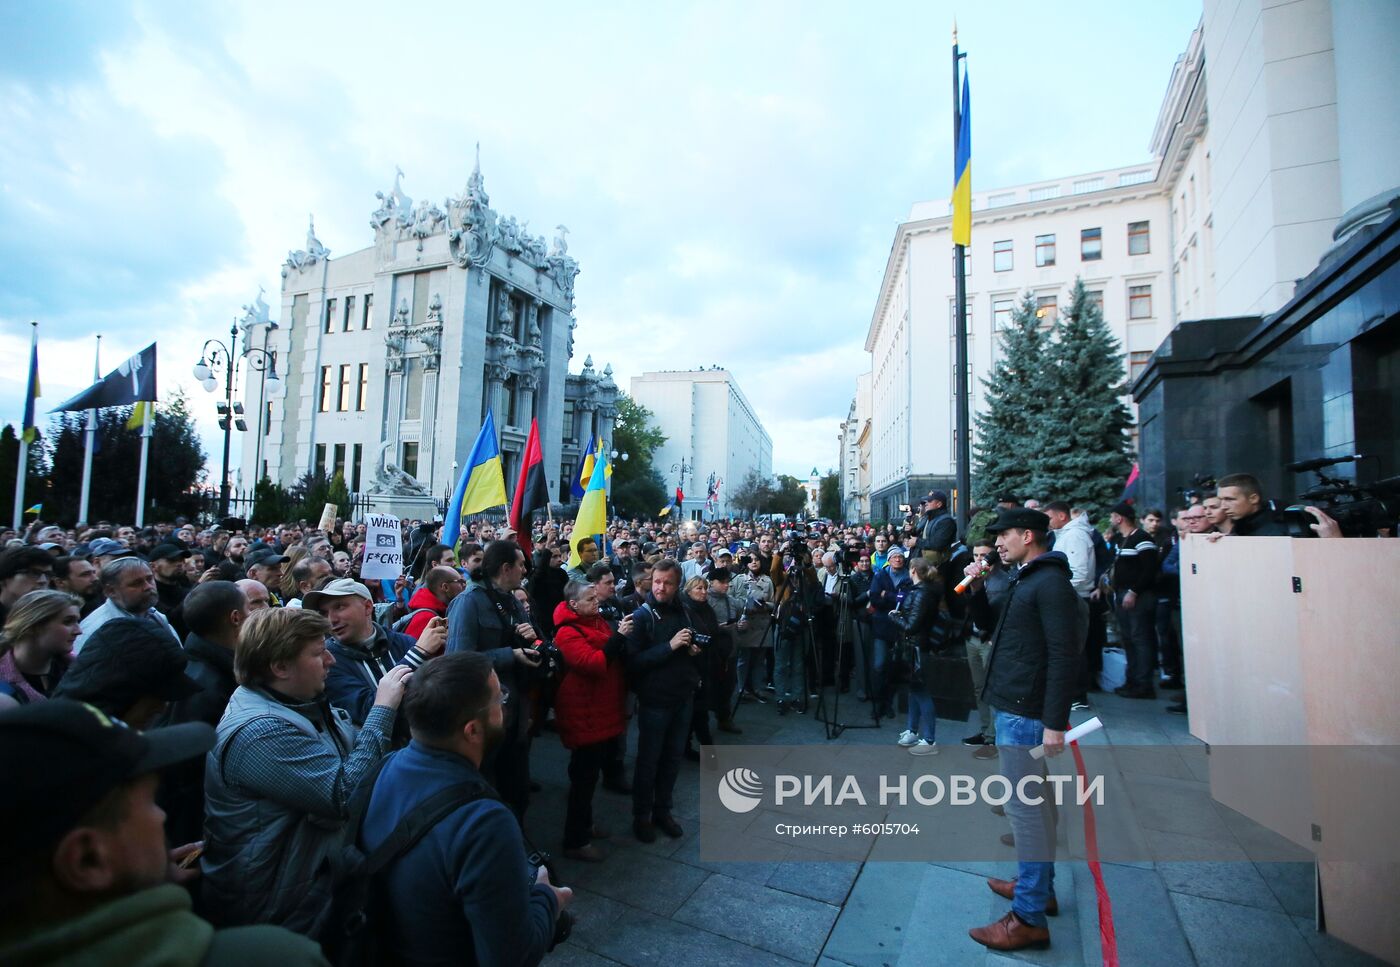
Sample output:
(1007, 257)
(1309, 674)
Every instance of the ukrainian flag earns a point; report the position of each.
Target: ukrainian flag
(579, 486)
(30, 432)
(592, 519)
(141, 414)
(962, 172)
(482, 484)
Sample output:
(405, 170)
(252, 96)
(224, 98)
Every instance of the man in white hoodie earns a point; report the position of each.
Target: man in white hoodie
(1073, 537)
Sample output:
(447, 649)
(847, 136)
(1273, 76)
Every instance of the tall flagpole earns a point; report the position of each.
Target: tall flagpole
(22, 470)
(964, 448)
(91, 437)
(150, 414)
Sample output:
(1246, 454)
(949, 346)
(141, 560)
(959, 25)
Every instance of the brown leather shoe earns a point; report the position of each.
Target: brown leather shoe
(587, 853)
(1009, 933)
(1007, 890)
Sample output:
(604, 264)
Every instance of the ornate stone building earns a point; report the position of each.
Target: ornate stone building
(391, 355)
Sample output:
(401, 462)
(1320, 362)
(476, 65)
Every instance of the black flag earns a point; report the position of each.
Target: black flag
(133, 380)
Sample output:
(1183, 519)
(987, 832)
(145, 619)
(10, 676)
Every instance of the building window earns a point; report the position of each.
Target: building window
(412, 389)
(325, 389)
(343, 400)
(353, 481)
(1091, 244)
(420, 298)
(1044, 250)
(362, 390)
(1137, 362)
(1046, 309)
(1139, 302)
(267, 423)
(967, 260)
(320, 467)
(1095, 299)
(338, 460)
(409, 464)
(349, 314)
(368, 314)
(1139, 238)
(1001, 314)
(330, 316)
(566, 473)
(953, 319)
(569, 435)
(1001, 256)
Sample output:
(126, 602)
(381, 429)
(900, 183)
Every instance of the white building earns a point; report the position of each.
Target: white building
(710, 428)
(392, 354)
(1248, 180)
(854, 444)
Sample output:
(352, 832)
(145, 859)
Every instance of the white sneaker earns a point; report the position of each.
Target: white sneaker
(907, 738)
(923, 747)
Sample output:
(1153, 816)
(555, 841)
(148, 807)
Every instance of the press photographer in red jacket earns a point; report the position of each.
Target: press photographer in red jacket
(589, 707)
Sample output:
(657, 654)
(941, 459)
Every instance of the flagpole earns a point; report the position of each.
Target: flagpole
(22, 470)
(91, 435)
(150, 420)
(964, 447)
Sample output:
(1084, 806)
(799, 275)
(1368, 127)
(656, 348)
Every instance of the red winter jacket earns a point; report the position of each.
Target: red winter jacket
(590, 702)
(423, 598)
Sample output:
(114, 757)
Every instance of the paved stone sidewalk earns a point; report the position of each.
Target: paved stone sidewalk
(659, 904)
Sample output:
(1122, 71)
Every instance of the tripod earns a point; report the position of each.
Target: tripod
(834, 725)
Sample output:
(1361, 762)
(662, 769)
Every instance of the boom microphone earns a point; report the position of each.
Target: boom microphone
(1303, 466)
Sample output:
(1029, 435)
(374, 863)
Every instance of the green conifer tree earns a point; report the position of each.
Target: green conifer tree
(1084, 454)
(1009, 428)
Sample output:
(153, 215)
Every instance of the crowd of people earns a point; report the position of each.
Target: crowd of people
(226, 727)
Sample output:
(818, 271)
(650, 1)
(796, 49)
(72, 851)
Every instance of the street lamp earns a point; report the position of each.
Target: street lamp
(216, 356)
(619, 456)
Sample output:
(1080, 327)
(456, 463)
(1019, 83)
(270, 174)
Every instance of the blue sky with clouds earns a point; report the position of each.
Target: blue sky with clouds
(731, 173)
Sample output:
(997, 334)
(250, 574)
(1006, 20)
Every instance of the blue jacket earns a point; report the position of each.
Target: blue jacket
(354, 678)
(885, 589)
(465, 893)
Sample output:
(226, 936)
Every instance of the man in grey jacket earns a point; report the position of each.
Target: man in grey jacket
(279, 780)
(129, 585)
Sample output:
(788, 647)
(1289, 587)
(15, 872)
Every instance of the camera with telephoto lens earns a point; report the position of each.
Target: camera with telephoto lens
(551, 658)
(1359, 511)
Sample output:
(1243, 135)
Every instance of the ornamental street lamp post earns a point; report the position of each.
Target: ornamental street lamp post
(216, 356)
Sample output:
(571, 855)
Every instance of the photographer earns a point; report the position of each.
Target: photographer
(939, 530)
(857, 605)
(799, 596)
(715, 649)
(887, 590)
(662, 658)
(1242, 502)
(488, 618)
(752, 592)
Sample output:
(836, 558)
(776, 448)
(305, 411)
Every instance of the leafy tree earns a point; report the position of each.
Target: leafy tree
(638, 489)
(753, 494)
(36, 482)
(829, 497)
(788, 497)
(176, 464)
(271, 503)
(1084, 454)
(1010, 429)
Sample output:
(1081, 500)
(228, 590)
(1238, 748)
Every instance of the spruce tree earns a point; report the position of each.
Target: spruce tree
(1084, 453)
(1009, 428)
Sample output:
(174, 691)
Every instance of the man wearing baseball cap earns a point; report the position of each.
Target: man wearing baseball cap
(1032, 677)
(265, 567)
(363, 650)
(85, 864)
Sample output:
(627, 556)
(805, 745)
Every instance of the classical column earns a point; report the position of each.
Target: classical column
(496, 373)
(606, 416)
(583, 417)
(526, 384)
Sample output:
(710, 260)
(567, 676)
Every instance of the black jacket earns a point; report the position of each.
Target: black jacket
(938, 533)
(1135, 562)
(1261, 523)
(1040, 627)
(182, 785)
(661, 676)
(918, 614)
(858, 595)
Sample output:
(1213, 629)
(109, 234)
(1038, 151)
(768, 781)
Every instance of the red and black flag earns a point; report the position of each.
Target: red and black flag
(531, 490)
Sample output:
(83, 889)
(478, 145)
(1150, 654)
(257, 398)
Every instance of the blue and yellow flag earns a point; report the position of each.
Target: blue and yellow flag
(30, 432)
(579, 485)
(36, 510)
(482, 484)
(962, 172)
(592, 519)
(141, 414)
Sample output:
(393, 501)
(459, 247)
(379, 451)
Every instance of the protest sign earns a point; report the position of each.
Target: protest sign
(383, 548)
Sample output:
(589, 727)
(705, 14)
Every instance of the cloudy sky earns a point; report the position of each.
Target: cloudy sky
(732, 174)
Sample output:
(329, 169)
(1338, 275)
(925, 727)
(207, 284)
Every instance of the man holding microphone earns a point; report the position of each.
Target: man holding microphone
(1032, 677)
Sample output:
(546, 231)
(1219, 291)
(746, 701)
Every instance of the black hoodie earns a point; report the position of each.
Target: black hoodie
(660, 675)
(1040, 626)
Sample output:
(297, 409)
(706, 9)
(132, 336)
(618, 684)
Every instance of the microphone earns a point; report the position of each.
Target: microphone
(1303, 466)
(966, 582)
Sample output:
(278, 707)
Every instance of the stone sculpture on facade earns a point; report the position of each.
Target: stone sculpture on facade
(259, 313)
(303, 259)
(426, 219)
(391, 481)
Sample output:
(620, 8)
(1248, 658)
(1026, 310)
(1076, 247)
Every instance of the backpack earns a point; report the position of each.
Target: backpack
(402, 624)
(357, 935)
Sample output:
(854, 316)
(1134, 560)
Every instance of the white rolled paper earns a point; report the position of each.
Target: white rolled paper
(1078, 732)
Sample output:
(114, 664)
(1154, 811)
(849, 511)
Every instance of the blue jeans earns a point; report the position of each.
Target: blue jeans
(880, 692)
(921, 711)
(788, 671)
(1032, 825)
(661, 732)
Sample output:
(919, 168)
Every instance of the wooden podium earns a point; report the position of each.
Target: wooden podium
(1294, 643)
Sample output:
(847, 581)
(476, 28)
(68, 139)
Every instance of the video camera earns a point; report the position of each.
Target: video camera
(1359, 511)
(1200, 483)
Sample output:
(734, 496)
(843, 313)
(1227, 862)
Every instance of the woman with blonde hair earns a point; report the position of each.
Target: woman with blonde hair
(295, 554)
(36, 646)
